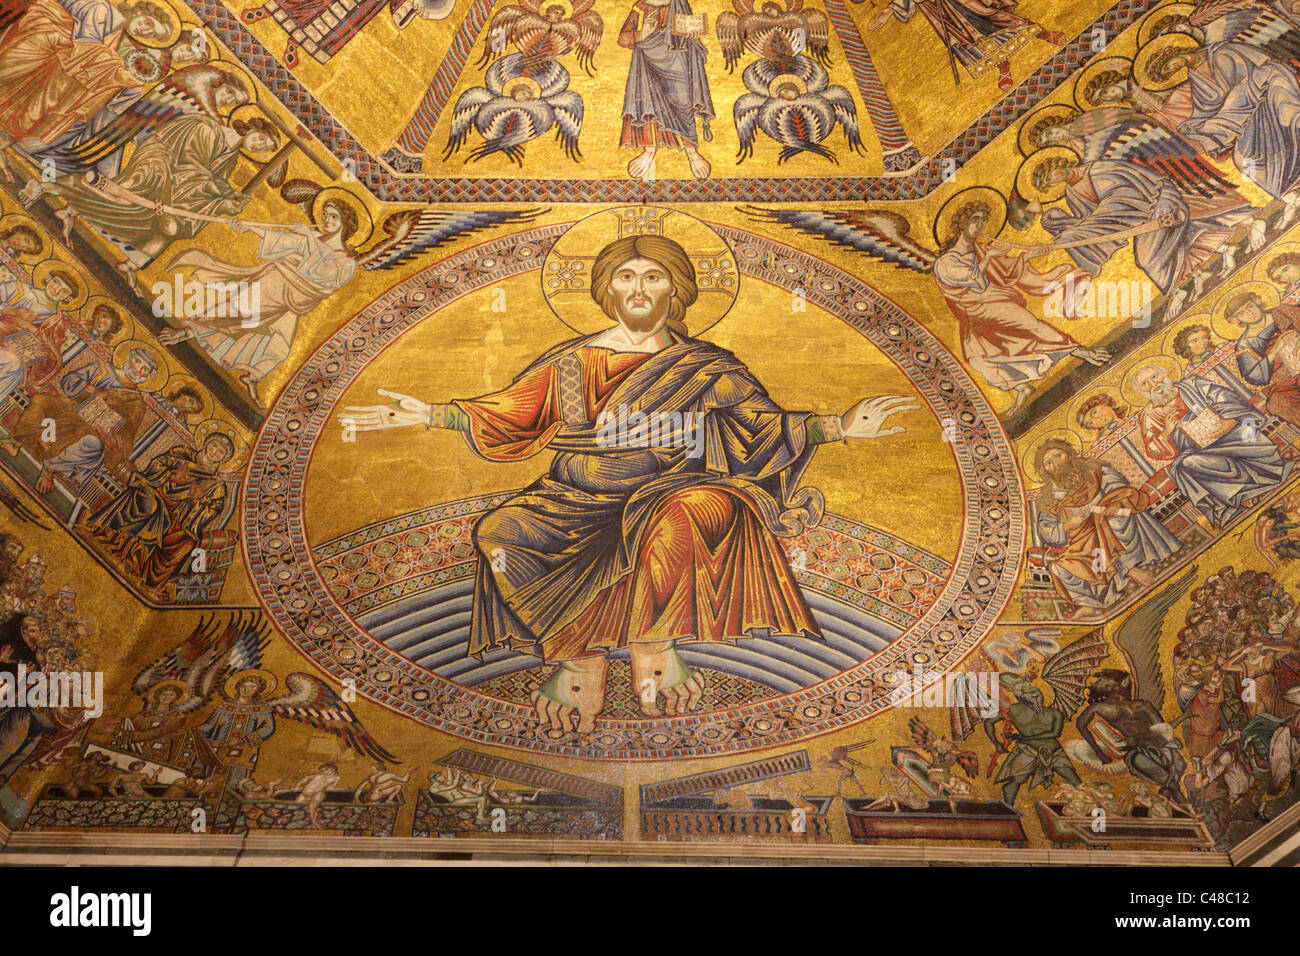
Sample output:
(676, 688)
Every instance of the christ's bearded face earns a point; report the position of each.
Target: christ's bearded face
(642, 292)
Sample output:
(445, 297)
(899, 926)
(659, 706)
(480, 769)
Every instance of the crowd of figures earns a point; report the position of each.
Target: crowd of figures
(1179, 444)
(38, 632)
(1236, 669)
(96, 421)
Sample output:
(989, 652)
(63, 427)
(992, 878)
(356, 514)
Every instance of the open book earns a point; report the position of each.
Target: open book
(690, 24)
(1207, 428)
(27, 346)
(95, 412)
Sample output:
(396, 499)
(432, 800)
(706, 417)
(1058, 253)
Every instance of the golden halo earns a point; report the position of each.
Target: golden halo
(15, 219)
(171, 20)
(1226, 329)
(41, 275)
(270, 681)
(1062, 155)
(1131, 395)
(210, 49)
(183, 690)
(996, 202)
(781, 79)
(545, 5)
(566, 273)
(1027, 457)
(527, 82)
(1055, 115)
(245, 79)
(1072, 416)
(365, 225)
(1261, 266)
(1106, 64)
(207, 429)
(154, 381)
(128, 324)
(1162, 17)
(246, 112)
(205, 409)
(1201, 318)
(1160, 47)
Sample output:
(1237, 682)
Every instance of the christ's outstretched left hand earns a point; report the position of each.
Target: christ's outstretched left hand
(866, 419)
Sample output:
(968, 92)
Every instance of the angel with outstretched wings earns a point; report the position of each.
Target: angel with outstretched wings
(543, 31)
(245, 718)
(984, 285)
(178, 683)
(299, 268)
(778, 31)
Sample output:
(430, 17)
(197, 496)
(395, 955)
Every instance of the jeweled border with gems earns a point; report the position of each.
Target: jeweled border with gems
(289, 585)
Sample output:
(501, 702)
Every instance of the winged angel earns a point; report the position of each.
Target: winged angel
(984, 285)
(300, 267)
(224, 662)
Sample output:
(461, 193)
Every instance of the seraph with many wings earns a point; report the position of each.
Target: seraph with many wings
(513, 108)
(775, 32)
(543, 31)
(410, 232)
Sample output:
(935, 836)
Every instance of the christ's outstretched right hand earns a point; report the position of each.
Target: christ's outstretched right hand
(402, 413)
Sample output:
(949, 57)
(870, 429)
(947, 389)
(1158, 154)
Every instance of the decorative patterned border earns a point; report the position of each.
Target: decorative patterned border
(296, 597)
(386, 185)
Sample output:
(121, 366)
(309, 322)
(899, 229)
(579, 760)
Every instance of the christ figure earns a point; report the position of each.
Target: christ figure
(629, 542)
(667, 88)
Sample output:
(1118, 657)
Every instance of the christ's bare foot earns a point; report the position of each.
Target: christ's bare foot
(700, 167)
(1142, 578)
(643, 165)
(33, 191)
(657, 669)
(575, 692)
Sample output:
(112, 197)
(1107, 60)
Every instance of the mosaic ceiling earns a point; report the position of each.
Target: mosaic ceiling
(754, 422)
